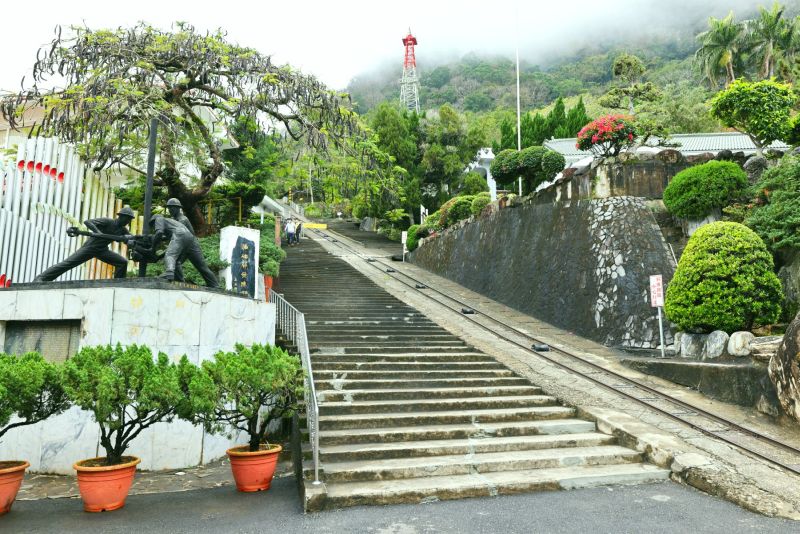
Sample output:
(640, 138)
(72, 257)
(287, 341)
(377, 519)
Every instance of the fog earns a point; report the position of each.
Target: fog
(338, 40)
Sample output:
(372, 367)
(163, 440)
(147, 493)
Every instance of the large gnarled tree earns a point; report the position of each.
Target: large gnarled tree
(196, 85)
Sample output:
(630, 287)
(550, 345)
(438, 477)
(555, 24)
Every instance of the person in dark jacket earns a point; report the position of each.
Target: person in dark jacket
(96, 247)
(182, 246)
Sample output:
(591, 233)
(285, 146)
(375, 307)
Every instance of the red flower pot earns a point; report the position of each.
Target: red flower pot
(105, 487)
(10, 481)
(253, 471)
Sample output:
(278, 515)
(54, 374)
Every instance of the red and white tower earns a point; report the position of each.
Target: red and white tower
(409, 85)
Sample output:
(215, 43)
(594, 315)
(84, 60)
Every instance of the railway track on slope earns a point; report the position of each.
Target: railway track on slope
(783, 455)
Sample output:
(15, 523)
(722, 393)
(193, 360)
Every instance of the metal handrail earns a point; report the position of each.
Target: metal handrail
(292, 323)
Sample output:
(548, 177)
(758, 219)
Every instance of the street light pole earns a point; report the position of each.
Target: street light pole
(519, 130)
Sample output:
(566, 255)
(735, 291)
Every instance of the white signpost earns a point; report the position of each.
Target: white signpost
(403, 239)
(657, 301)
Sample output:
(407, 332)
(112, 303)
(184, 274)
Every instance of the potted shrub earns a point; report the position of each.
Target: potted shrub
(127, 391)
(270, 256)
(30, 392)
(246, 390)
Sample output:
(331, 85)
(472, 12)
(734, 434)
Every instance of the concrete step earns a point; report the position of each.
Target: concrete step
(402, 375)
(388, 349)
(370, 322)
(329, 395)
(419, 405)
(350, 339)
(348, 384)
(338, 422)
(455, 431)
(400, 358)
(403, 366)
(426, 489)
(468, 446)
(490, 462)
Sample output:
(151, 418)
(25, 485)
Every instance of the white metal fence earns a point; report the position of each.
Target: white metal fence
(292, 324)
(45, 190)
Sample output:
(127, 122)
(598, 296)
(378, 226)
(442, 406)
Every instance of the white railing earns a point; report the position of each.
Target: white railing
(292, 324)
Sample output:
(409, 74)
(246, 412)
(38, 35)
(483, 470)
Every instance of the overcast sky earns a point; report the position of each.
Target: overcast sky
(339, 39)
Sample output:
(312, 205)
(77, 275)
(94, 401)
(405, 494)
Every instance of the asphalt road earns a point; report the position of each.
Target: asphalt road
(665, 507)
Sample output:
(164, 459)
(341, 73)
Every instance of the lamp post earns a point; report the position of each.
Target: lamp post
(148, 192)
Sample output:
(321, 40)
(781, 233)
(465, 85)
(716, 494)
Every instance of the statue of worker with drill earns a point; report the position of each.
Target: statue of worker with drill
(183, 245)
(96, 247)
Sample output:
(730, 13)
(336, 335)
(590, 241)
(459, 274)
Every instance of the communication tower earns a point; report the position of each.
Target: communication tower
(409, 85)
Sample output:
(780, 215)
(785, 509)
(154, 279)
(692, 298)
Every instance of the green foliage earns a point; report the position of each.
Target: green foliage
(30, 390)
(473, 183)
(724, 281)
(396, 216)
(552, 164)
(759, 109)
(777, 220)
(246, 390)
(412, 239)
(126, 390)
(629, 69)
(793, 135)
(721, 48)
(313, 211)
(461, 208)
(479, 203)
(695, 192)
(270, 255)
(505, 166)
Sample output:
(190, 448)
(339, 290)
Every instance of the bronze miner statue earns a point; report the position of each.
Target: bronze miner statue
(175, 209)
(183, 245)
(102, 232)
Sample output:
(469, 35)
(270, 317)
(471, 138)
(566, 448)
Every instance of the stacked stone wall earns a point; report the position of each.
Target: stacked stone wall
(582, 265)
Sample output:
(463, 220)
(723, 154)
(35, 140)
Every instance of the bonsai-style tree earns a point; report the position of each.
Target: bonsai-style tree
(505, 166)
(695, 192)
(629, 69)
(126, 390)
(724, 281)
(29, 390)
(761, 110)
(246, 390)
(608, 135)
(196, 85)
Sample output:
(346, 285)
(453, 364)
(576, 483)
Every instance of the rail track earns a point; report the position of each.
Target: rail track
(705, 422)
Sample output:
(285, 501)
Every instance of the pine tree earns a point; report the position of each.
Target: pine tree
(556, 118)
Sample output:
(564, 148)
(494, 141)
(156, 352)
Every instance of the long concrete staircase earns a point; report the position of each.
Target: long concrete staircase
(411, 413)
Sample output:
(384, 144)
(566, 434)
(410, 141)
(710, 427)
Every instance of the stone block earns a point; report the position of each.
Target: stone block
(39, 305)
(677, 342)
(135, 317)
(739, 343)
(214, 320)
(8, 304)
(178, 319)
(715, 345)
(692, 345)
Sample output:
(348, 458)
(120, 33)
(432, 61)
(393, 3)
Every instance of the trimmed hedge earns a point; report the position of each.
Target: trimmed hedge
(695, 192)
(724, 281)
(412, 240)
(460, 209)
(480, 202)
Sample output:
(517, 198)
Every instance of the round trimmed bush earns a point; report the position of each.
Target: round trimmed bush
(480, 202)
(724, 281)
(460, 209)
(695, 192)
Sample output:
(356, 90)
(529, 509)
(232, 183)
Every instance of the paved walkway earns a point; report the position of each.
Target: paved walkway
(654, 508)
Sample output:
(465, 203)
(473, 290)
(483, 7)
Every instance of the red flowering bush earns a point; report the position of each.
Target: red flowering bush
(608, 135)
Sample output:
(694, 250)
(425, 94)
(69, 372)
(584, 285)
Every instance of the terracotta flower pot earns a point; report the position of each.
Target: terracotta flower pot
(105, 487)
(253, 471)
(10, 480)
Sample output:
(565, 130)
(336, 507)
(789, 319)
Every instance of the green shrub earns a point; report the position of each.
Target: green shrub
(724, 281)
(412, 240)
(126, 391)
(479, 203)
(505, 166)
(552, 164)
(777, 220)
(245, 390)
(460, 209)
(695, 192)
(30, 390)
(473, 184)
(313, 211)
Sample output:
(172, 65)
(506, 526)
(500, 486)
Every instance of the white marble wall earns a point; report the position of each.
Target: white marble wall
(195, 323)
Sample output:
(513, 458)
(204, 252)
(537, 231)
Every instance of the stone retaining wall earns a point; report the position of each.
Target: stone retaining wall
(581, 265)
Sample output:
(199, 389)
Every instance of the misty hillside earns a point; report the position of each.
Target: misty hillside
(479, 83)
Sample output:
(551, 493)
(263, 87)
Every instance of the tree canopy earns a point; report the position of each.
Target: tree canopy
(196, 85)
